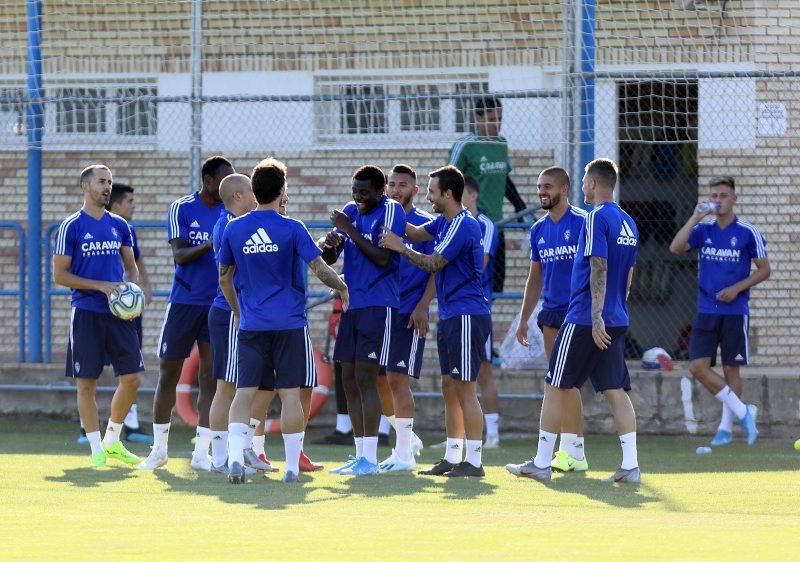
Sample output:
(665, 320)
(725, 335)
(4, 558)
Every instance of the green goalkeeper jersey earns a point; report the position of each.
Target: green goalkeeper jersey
(486, 160)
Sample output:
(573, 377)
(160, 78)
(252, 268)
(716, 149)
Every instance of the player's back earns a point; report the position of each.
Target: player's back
(224, 218)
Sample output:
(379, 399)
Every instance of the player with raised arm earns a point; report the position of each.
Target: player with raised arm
(266, 251)
(464, 316)
(726, 248)
(554, 245)
(93, 255)
(591, 342)
(190, 222)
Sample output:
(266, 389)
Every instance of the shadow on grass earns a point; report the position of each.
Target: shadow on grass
(88, 477)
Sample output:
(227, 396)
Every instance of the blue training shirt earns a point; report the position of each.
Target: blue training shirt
(190, 218)
(224, 217)
(413, 280)
(270, 252)
(458, 285)
(490, 238)
(368, 284)
(609, 233)
(724, 256)
(554, 245)
(94, 246)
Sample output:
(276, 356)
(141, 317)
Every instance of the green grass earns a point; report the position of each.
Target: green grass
(740, 502)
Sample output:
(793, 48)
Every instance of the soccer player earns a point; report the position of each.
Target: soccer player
(484, 156)
(554, 244)
(266, 250)
(190, 223)
(591, 342)
(93, 255)
(726, 247)
(464, 316)
(373, 275)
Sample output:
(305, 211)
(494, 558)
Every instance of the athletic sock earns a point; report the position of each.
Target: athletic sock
(370, 451)
(258, 445)
(161, 435)
(113, 431)
(726, 423)
(630, 458)
(404, 429)
(454, 453)
(237, 437)
(203, 441)
(253, 425)
(219, 447)
(566, 443)
(343, 423)
(544, 452)
(578, 452)
(293, 446)
(474, 452)
(132, 419)
(492, 424)
(392, 421)
(729, 399)
(94, 441)
(385, 427)
(359, 447)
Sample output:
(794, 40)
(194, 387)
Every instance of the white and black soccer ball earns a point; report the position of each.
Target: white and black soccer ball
(127, 301)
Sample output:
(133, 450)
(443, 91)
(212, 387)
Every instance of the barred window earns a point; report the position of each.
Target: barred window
(79, 111)
(363, 112)
(466, 93)
(137, 117)
(419, 108)
(12, 112)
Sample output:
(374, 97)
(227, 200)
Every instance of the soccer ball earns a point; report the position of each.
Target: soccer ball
(127, 301)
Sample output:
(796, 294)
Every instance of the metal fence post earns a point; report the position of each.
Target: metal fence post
(196, 142)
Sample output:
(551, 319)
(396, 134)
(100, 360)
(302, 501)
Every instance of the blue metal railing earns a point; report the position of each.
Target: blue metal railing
(19, 292)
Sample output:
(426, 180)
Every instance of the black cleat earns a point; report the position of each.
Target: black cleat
(336, 438)
(465, 469)
(236, 474)
(439, 469)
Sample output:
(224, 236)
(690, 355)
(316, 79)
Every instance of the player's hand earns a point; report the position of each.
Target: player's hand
(235, 321)
(522, 333)
(727, 294)
(107, 287)
(601, 338)
(419, 321)
(391, 241)
(699, 214)
(341, 221)
(345, 296)
(333, 240)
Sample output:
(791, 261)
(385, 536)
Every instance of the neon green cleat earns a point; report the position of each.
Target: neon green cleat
(119, 452)
(98, 459)
(564, 462)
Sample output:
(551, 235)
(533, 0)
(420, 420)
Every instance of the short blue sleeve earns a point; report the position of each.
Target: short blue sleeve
(457, 235)
(65, 238)
(137, 253)
(757, 245)
(596, 236)
(176, 222)
(534, 233)
(304, 243)
(432, 227)
(125, 233)
(696, 236)
(225, 256)
(395, 219)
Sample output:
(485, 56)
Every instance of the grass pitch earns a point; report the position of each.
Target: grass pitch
(738, 503)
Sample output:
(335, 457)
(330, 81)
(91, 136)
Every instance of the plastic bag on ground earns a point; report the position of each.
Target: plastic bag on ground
(515, 356)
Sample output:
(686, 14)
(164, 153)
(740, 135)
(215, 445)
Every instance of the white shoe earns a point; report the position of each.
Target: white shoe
(201, 462)
(492, 442)
(442, 445)
(393, 464)
(252, 460)
(416, 445)
(156, 459)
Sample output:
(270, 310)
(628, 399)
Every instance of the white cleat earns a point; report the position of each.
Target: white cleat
(416, 445)
(156, 459)
(393, 464)
(201, 462)
(252, 460)
(492, 442)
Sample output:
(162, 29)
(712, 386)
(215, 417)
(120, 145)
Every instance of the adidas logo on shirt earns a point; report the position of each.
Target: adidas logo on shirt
(372, 356)
(194, 224)
(708, 241)
(259, 243)
(541, 241)
(626, 236)
(88, 236)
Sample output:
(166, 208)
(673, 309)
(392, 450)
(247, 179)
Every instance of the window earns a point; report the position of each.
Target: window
(12, 112)
(136, 117)
(419, 108)
(465, 103)
(79, 111)
(363, 110)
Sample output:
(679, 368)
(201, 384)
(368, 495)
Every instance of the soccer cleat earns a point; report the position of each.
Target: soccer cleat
(248, 470)
(492, 441)
(236, 474)
(307, 465)
(201, 462)
(362, 467)
(98, 459)
(439, 468)
(721, 437)
(136, 435)
(119, 452)
(383, 439)
(464, 470)
(630, 475)
(416, 445)
(394, 464)
(336, 438)
(156, 459)
(263, 458)
(530, 470)
(564, 462)
(442, 445)
(749, 424)
(252, 460)
(82, 439)
(346, 466)
(291, 477)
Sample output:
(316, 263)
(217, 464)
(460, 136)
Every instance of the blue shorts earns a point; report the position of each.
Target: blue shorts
(576, 358)
(551, 318)
(729, 332)
(222, 330)
(364, 335)
(137, 324)
(184, 324)
(462, 345)
(405, 353)
(276, 359)
(95, 336)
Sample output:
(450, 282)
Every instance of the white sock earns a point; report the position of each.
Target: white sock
(404, 428)
(258, 444)
(161, 435)
(343, 423)
(492, 424)
(219, 447)
(94, 441)
(726, 423)
(578, 452)
(392, 421)
(566, 443)
(544, 452)
(370, 451)
(237, 437)
(203, 441)
(293, 446)
(454, 453)
(359, 447)
(474, 452)
(630, 458)
(132, 419)
(729, 398)
(385, 427)
(113, 431)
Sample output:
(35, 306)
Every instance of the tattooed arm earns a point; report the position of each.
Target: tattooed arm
(226, 284)
(597, 285)
(430, 263)
(327, 275)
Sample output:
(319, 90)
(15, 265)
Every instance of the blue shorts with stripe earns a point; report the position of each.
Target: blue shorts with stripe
(95, 337)
(222, 330)
(184, 324)
(364, 335)
(576, 358)
(405, 353)
(725, 331)
(276, 359)
(551, 318)
(462, 342)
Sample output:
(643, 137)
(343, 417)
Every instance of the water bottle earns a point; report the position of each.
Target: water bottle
(703, 451)
(707, 207)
